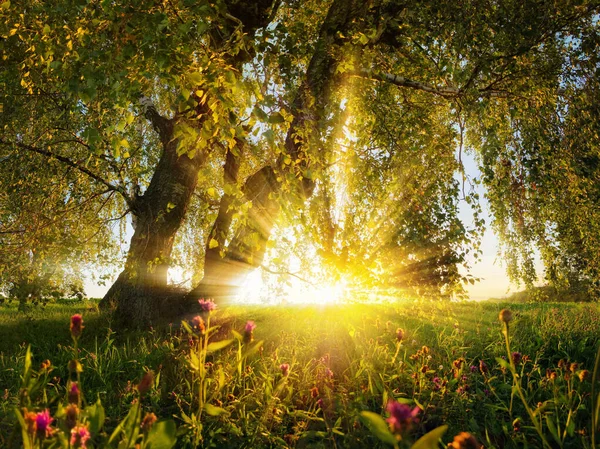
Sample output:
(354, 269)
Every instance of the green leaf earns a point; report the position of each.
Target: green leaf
(96, 416)
(260, 114)
(162, 435)
(5, 5)
(378, 427)
(213, 244)
(213, 410)
(430, 440)
(218, 345)
(276, 118)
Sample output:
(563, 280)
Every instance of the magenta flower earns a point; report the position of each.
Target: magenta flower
(402, 417)
(207, 305)
(285, 369)
(42, 424)
(76, 325)
(79, 436)
(74, 393)
(248, 330)
(250, 326)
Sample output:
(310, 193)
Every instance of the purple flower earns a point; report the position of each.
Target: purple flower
(207, 305)
(473, 368)
(248, 331)
(285, 369)
(399, 334)
(516, 357)
(42, 424)
(402, 417)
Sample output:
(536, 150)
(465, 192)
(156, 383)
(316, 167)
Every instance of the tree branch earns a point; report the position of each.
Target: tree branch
(76, 165)
(163, 126)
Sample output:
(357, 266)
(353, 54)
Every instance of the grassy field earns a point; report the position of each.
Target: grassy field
(309, 376)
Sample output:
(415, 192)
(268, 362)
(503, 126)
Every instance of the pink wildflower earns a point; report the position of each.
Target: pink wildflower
(42, 424)
(248, 331)
(76, 325)
(402, 417)
(79, 436)
(285, 369)
(207, 305)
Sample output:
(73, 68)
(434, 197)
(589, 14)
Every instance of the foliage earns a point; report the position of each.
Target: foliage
(342, 364)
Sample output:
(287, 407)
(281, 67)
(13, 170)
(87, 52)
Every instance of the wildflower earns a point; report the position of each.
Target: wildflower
(464, 440)
(441, 367)
(329, 374)
(401, 417)
(285, 369)
(76, 325)
(314, 392)
(46, 365)
(320, 403)
(42, 424)
(584, 375)
(79, 436)
(71, 415)
(74, 393)
(399, 334)
(424, 369)
(248, 331)
(516, 357)
(146, 383)
(198, 323)
(505, 316)
(148, 422)
(207, 305)
(473, 368)
(483, 367)
(573, 367)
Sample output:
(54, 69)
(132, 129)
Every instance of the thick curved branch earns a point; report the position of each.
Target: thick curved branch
(75, 165)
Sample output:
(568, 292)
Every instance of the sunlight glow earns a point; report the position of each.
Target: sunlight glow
(257, 289)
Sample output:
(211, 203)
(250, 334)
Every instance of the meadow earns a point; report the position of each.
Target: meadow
(277, 377)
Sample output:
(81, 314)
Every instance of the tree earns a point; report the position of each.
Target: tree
(152, 97)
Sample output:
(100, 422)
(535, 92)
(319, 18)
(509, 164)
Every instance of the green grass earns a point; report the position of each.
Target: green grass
(357, 343)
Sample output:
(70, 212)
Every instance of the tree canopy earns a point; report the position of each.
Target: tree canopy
(335, 130)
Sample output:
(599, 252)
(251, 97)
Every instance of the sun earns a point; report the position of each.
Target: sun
(261, 287)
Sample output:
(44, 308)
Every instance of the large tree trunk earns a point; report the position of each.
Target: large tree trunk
(140, 294)
(225, 272)
(159, 214)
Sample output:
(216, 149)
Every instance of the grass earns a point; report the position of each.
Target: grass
(343, 361)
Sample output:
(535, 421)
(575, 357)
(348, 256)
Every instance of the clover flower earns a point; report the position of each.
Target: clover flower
(42, 424)
(80, 436)
(74, 393)
(76, 325)
(71, 415)
(249, 331)
(399, 334)
(516, 357)
(505, 316)
(402, 417)
(207, 305)
(148, 422)
(146, 383)
(285, 369)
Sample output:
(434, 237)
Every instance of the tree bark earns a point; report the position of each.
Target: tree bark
(225, 275)
(140, 293)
